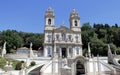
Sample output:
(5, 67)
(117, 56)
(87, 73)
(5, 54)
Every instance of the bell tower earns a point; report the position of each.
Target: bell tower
(74, 21)
(49, 19)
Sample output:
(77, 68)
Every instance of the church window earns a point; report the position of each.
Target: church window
(49, 52)
(77, 39)
(49, 38)
(63, 36)
(49, 21)
(75, 23)
(77, 49)
(69, 37)
(57, 37)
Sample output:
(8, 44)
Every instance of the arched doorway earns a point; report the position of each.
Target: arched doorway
(80, 69)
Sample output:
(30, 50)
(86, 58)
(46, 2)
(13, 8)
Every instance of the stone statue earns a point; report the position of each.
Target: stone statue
(8, 66)
(4, 46)
(4, 49)
(31, 51)
(110, 55)
(31, 45)
(89, 51)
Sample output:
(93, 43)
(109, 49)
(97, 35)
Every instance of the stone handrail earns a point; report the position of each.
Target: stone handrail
(44, 67)
(34, 67)
(108, 66)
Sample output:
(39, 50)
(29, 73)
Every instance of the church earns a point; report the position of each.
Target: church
(63, 53)
(64, 46)
(62, 41)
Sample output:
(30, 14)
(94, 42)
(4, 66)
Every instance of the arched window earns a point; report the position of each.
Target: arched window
(49, 52)
(77, 40)
(49, 38)
(57, 37)
(49, 21)
(77, 50)
(63, 36)
(69, 37)
(75, 23)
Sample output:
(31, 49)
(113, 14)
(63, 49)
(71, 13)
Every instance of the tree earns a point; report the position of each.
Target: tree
(13, 40)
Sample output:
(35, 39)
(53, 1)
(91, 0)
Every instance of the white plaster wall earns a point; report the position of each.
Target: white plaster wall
(91, 67)
(94, 67)
(10, 73)
(48, 69)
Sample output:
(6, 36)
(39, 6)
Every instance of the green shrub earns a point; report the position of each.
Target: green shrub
(32, 63)
(22, 61)
(18, 66)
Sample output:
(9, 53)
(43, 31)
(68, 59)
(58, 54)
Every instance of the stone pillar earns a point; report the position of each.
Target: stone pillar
(88, 68)
(55, 52)
(68, 55)
(73, 68)
(99, 67)
(74, 52)
(94, 66)
(45, 52)
(60, 53)
(85, 66)
(79, 51)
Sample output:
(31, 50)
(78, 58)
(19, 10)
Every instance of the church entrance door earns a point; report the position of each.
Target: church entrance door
(64, 53)
(80, 70)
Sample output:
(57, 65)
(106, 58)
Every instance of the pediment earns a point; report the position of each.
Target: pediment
(63, 29)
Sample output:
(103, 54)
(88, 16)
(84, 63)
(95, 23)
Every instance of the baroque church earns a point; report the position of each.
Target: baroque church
(64, 46)
(63, 52)
(62, 41)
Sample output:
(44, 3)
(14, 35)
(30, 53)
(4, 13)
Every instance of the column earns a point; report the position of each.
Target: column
(68, 55)
(99, 67)
(94, 66)
(73, 68)
(88, 68)
(60, 52)
(54, 50)
(79, 51)
(85, 66)
(45, 52)
(73, 52)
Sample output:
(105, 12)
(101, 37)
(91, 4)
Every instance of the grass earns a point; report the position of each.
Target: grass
(4, 60)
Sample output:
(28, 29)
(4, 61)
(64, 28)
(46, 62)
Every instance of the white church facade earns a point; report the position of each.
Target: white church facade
(64, 41)
(63, 52)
